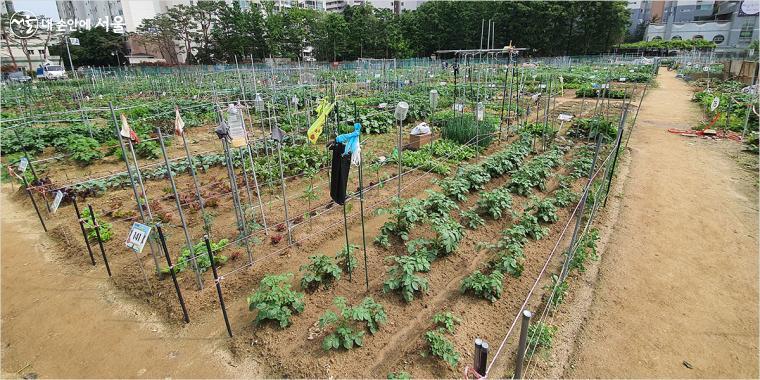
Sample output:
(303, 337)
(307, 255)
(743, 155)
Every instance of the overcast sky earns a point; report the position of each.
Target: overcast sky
(38, 7)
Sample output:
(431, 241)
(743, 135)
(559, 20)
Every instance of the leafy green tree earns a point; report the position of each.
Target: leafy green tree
(181, 17)
(239, 32)
(331, 39)
(214, 31)
(204, 15)
(160, 31)
(95, 48)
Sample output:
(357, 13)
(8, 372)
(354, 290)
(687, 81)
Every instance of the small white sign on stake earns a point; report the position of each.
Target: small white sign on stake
(565, 117)
(715, 103)
(706, 69)
(74, 41)
(138, 236)
(622, 79)
(22, 165)
(56, 201)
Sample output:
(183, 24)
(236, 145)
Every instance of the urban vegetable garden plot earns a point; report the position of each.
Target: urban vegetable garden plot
(424, 256)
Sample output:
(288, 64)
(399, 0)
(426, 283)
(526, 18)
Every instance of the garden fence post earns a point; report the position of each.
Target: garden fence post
(728, 114)
(239, 217)
(749, 106)
(509, 105)
(581, 208)
(284, 195)
(217, 281)
(520, 82)
(81, 226)
(96, 226)
(188, 240)
(522, 344)
(258, 189)
(477, 135)
(345, 229)
(636, 115)
(599, 93)
(34, 203)
(240, 78)
(361, 210)
(546, 111)
(480, 357)
(583, 103)
(132, 183)
(172, 273)
(268, 152)
(618, 141)
(400, 147)
(196, 183)
(241, 154)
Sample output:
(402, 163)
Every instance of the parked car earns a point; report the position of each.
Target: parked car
(51, 72)
(19, 77)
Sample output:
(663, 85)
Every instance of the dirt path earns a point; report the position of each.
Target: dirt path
(101, 334)
(679, 280)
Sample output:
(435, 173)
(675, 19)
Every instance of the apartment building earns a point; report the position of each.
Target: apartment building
(732, 25)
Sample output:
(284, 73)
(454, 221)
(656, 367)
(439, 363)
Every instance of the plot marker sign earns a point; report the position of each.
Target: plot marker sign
(138, 235)
(22, 164)
(56, 201)
(715, 103)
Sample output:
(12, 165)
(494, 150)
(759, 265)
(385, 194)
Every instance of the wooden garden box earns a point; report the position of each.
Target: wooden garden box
(417, 141)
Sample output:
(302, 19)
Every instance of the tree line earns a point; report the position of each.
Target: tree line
(217, 31)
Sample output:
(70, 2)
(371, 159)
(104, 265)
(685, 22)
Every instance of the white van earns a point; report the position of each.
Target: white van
(53, 72)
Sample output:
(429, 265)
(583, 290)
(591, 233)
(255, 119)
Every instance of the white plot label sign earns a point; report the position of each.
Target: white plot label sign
(22, 164)
(715, 103)
(56, 201)
(565, 117)
(138, 236)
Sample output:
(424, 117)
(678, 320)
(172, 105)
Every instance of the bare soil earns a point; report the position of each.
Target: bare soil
(678, 280)
(64, 321)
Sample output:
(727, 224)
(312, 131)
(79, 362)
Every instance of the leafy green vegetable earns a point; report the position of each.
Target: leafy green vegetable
(348, 330)
(442, 347)
(485, 286)
(274, 300)
(401, 276)
(447, 321)
(321, 271)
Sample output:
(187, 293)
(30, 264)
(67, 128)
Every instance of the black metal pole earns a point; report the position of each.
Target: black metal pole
(348, 248)
(503, 99)
(100, 242)
(34, 203)
(171, 271)
(218, 285)
(614, 159)
(361, 209)
(81, 226)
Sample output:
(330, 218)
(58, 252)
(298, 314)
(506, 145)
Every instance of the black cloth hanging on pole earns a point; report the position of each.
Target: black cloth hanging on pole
(339, 172)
